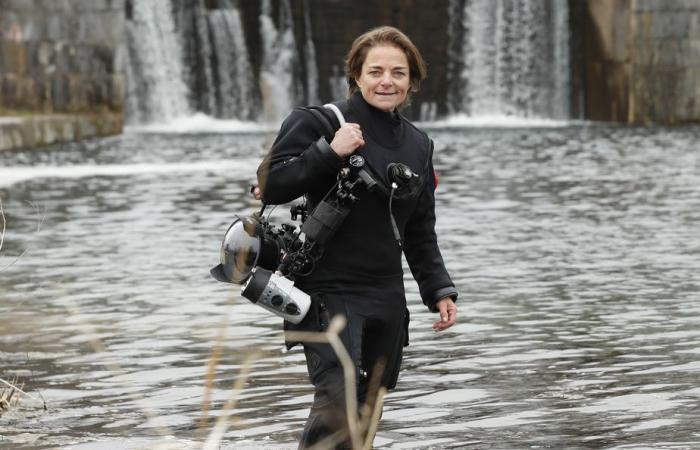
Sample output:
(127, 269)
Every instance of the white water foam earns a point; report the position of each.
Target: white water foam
(494, 121)
(155, 83)
(509, 57)
(201, 123)
(12, 175)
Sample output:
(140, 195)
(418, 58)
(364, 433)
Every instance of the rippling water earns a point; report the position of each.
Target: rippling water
(576, 251)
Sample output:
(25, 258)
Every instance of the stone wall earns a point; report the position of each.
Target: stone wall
(642, 60)
(63, 57)
(39, 130)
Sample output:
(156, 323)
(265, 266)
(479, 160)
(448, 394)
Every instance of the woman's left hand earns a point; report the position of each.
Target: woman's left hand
(448, 314)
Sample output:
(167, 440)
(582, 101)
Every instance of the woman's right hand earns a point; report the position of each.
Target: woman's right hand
(347, 139)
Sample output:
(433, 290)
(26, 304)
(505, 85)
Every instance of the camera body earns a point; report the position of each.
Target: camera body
(277, 294)
(266, 259)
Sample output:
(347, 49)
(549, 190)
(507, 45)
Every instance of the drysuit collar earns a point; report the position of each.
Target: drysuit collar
(386, 128)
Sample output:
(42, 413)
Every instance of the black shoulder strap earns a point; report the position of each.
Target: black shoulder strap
(326, 118)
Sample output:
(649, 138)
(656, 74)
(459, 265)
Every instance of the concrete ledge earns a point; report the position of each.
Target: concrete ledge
(35, 131)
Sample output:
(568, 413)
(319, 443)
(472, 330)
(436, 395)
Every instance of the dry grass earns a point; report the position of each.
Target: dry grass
(10, 390)
(9, 396)
(362, 425)
(40, 221)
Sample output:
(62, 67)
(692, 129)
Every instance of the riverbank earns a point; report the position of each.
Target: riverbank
(38, 130)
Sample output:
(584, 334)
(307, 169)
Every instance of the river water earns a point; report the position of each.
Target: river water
(576, 251)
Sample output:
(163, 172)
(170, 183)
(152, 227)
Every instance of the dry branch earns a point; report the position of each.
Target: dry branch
(39, 222)
(357, 426)
(99, 347)
(4, 223)
(9, 396)
(222, 423)
(211, 369)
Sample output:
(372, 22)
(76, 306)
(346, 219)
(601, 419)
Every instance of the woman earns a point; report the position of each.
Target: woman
(359, 274)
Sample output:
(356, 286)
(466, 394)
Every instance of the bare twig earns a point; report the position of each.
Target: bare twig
(374, 422)
(330, 442)
(4, 223)
(222, 423)
(14, 261)
(116, 370)
(331, 336)
(39, 218)
(211, 369)
(13, 386)
(334, 329)
(39, 223)
(7, 396)
(369, 408)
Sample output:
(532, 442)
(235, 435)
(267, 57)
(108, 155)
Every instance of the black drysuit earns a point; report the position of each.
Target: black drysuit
(359, 274)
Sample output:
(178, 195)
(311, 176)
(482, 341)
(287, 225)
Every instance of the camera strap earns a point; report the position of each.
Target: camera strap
(336, 111)
(329, 117)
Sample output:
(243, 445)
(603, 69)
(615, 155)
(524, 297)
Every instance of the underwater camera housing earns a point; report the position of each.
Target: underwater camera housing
(277, 294)
(251, 251)
(266, 259)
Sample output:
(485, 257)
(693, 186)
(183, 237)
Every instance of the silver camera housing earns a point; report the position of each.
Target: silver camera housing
(277, 294)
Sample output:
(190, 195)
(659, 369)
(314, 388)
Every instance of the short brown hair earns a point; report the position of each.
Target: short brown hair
(378, 36)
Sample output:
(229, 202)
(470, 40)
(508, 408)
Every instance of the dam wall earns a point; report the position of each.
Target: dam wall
(641, 60)
(62, 70)
(73, 69)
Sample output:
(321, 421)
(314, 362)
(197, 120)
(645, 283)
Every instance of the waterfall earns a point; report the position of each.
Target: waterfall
(312, 97)
(240, 60)
(234, 74)
(509, 58)
(156, 91)
(184, 57)
(562, 75)
(337, 84)
(193, 31)
(279, 72)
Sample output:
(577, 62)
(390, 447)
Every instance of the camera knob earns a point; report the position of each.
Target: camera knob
(400, 173)
(276, 301)
(291, 309)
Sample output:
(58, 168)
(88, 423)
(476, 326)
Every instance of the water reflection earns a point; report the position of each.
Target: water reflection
(575, 249)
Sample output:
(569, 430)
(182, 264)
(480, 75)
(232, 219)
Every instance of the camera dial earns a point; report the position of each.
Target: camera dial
(400, 173)
(356, 161)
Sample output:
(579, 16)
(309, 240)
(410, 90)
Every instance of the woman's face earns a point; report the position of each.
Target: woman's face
(385, 77)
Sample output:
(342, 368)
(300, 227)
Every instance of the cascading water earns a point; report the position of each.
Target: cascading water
(509, 58)
(156, 91)
(279, 87)
(233, 73)
(337, 84)
(195, 59)
(193, 30)
(504, 58)
(310, 59)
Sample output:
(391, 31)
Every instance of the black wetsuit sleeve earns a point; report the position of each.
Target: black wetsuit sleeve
(299, 161)
(422, 251)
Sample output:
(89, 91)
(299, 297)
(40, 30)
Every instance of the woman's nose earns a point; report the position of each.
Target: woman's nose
(386, 78)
